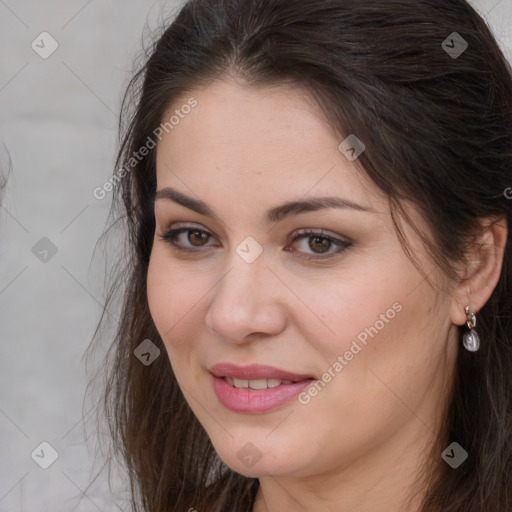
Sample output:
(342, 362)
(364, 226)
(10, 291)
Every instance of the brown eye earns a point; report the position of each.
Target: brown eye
(320, 243)
(196, 237)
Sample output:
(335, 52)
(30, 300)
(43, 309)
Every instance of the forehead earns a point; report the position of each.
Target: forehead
(257, 141)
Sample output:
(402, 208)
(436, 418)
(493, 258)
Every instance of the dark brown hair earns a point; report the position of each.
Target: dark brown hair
(438, 133)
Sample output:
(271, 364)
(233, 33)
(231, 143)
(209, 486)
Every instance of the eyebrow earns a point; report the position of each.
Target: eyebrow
(273, 215)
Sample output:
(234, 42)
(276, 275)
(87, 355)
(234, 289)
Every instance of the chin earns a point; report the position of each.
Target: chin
(261, 468)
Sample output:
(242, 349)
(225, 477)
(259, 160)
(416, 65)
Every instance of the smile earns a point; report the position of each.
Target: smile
(256, 396)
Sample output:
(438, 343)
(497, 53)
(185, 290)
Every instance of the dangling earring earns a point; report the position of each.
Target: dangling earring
(470, 339)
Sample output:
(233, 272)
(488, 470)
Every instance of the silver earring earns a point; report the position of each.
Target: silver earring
(470, 339)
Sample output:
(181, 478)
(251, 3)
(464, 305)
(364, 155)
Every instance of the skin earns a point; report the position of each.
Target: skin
(361, 443)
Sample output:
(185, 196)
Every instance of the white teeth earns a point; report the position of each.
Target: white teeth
(256, 383)
(240, 383)
(273, 383)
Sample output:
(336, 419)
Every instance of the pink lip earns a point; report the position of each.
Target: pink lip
(255, 401)
(255, 371)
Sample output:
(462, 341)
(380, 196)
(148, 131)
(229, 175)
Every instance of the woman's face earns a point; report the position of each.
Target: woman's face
(343, 306)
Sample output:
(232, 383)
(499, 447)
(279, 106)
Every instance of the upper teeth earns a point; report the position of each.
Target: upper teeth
(256, 383)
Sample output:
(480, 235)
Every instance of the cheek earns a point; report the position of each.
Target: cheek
(158, 288)
(348, 308)
(168, 296)
(376, 323)
(176, 302)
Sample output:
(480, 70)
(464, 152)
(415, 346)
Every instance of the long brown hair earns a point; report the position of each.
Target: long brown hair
(438, 132)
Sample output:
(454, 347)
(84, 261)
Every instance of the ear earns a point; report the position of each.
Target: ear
(482, 269)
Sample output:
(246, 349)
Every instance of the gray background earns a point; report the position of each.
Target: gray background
(58, 120)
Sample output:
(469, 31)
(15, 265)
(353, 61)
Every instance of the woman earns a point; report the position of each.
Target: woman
(317, 313)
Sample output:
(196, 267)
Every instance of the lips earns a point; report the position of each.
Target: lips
(255, 372)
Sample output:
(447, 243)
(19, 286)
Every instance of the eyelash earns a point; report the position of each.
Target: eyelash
(171, 235)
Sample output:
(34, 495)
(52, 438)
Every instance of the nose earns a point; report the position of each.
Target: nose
(248, 301)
